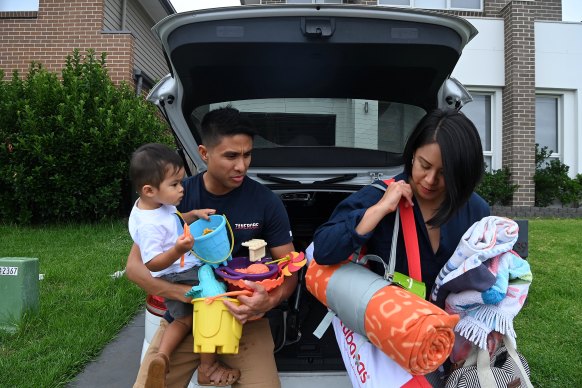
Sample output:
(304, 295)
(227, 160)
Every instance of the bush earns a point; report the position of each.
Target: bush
(496, 187)
(552, 181)
(67, 144)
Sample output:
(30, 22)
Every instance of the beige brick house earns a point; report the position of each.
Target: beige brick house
(46, 31)
(522, 68)
(523, 72)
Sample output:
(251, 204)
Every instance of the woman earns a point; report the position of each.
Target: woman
(443, 163)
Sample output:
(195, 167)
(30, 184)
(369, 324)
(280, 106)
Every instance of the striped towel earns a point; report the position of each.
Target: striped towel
(485, 282)
(465, 270)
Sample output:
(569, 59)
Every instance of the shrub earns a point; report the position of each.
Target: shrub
(67, 144)
(552, 181)
(496, 187)
(572, 194)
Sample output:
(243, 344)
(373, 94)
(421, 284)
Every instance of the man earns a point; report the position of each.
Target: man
(254, 212)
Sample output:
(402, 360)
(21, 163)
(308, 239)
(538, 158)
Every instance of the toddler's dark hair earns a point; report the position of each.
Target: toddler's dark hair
(150, 163)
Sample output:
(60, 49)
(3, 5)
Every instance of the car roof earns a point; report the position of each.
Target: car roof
(328, 51)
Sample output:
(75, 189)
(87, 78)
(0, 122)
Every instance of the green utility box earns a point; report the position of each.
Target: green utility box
(18, 288)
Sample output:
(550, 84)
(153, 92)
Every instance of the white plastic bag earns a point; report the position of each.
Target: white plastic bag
(367, 366)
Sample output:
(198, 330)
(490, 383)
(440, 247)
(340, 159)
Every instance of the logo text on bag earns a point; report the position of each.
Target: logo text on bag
(360, 367)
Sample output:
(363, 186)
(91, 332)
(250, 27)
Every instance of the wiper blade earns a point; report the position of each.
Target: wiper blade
(341, 178)
(276, 179)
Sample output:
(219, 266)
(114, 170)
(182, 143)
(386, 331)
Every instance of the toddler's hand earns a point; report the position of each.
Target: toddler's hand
(184, 244)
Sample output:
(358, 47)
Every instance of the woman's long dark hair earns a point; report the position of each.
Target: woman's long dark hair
(461, 152)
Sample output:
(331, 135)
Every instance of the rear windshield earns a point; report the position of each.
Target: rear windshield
(324, 132)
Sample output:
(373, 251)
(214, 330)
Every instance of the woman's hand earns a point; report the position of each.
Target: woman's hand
(394, 193)
(254, 306)
(387, 204)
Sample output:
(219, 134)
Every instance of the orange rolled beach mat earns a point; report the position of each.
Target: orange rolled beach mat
(413, 332)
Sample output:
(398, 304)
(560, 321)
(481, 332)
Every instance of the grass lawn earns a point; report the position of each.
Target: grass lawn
(549, 327)
(82, 308)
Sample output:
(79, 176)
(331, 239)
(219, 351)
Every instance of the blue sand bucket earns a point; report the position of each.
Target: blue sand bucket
(213, 247)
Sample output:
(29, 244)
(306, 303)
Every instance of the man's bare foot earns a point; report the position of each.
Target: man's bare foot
(217, 375)
(157, 370)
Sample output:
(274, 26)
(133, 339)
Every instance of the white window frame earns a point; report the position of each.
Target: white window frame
(568, 128)
(19, 5)
(411, 4)
(556, 154)
(496, 119)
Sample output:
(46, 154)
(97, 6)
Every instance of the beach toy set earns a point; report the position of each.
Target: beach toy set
(215, 329)
(266, 272)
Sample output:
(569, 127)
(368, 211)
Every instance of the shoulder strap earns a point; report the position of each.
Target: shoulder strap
(410, 237)
(485, 373)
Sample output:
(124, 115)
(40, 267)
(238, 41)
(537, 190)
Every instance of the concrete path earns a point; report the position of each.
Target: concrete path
(118, 363)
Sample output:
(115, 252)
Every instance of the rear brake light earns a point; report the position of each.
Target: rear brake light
(155, 305)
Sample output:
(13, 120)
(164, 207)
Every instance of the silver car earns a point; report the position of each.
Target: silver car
(334, 91)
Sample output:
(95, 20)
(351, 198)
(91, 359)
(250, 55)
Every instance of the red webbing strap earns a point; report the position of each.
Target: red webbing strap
(417, 381)
(410, 240)
(410, 237)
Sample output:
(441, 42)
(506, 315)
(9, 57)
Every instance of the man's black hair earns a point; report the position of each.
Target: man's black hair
(221, 122)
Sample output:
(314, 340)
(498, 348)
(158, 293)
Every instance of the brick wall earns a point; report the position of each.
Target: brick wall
(542, 9)
(517, 212)
(518, 115)
(59, 26)
(519, 99)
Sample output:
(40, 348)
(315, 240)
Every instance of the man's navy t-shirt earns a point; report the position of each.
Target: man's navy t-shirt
(252, 210)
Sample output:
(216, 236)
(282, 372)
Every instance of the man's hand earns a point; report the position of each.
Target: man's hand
(196, 214)
(254, 306)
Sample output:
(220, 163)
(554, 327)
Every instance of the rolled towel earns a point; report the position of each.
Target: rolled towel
(416, 334)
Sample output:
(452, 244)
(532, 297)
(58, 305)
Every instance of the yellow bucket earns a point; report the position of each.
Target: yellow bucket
(215, 329)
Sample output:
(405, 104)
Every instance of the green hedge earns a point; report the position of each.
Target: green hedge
(66, 142)
(552, 182)
(496, 187)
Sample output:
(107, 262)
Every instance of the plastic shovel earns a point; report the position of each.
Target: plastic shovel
(211, 299)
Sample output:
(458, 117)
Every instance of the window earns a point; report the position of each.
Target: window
(461, 5)
(314, 1)
(466, 5)
(482, 112)
(324, 132)
(547, 123)
(18, 5)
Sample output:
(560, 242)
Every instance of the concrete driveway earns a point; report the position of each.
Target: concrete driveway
(118, 363)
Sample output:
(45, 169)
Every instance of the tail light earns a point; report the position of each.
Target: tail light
(155, 305)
